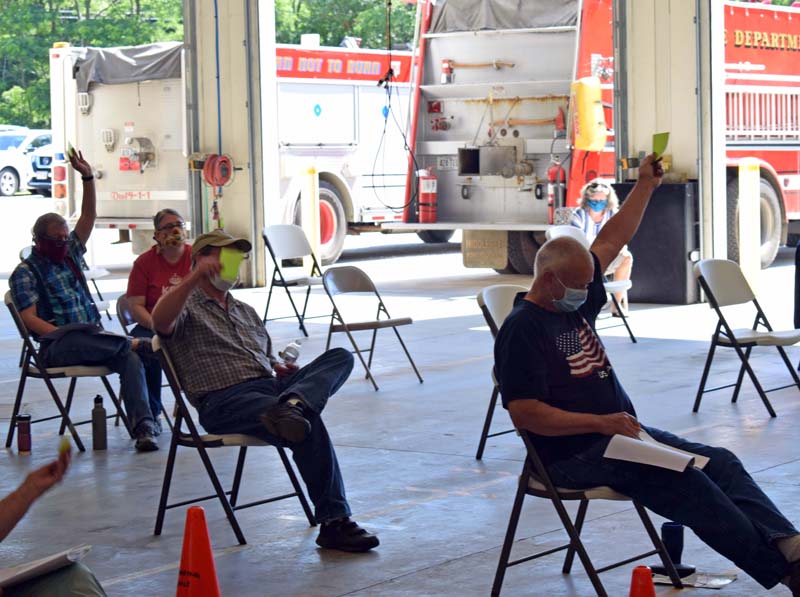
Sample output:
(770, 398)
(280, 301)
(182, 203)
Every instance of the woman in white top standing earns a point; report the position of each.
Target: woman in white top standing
(597, 203)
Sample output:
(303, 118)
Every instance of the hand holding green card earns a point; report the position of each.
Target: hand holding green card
(230, 260)
(660, 141)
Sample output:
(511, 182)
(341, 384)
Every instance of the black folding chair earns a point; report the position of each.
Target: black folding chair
(285, 242)
(535, 481)
(33, 367)
(192, 438)
(724, 285)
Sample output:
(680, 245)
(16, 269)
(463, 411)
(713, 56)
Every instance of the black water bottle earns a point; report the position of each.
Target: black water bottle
(99, 439)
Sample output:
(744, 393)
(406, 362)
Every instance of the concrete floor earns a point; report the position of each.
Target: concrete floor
(407, 454)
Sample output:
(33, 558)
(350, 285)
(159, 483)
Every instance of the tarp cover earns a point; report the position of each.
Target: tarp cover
(113, 66)
(475, 15)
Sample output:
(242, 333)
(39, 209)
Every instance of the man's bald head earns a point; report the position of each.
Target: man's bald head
(562, 256)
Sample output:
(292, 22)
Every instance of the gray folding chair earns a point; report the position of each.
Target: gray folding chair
(725, 285)
(611, 286)
(192, 438)
(126, 321)
(288, 242)
(33, 367)
(349, 280)
(535, 481)
(496, 303)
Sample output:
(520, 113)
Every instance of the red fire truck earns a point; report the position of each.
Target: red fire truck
(496, 147)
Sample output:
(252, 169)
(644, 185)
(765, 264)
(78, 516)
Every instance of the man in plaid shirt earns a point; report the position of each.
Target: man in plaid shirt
(223, 357)
(54, 301)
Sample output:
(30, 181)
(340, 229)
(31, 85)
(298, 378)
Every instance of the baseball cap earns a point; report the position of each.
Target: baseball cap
(219, 238)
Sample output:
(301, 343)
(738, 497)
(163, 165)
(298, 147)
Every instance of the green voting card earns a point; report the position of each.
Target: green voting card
(230, 260)
(660, 141)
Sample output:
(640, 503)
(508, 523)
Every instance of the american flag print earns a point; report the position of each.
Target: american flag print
(585, 354)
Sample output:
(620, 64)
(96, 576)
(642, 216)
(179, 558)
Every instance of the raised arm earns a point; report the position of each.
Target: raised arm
(619, 230)
(169, 307)
(85, 223)
(542, 419)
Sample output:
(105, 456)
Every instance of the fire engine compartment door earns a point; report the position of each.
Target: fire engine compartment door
(313, 114)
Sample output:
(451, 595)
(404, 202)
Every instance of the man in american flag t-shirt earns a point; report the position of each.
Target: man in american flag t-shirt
(560, 388)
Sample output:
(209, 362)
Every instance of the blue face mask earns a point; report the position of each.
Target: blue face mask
(572, 300)
(596, 205)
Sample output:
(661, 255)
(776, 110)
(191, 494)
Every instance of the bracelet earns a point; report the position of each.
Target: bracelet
(87, 178)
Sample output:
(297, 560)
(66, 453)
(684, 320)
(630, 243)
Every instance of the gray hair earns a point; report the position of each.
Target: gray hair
(164, 212)
(43, 222)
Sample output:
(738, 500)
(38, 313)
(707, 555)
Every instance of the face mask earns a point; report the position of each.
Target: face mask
(54, 250)
(221, 284)
(572, 300)
(176, 238)
(596, 205)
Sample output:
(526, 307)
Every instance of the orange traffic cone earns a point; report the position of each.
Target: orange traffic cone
(642, 582)
(197, 576)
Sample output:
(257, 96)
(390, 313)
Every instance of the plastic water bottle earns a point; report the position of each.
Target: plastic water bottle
(99, 437)
(24, 433)
(291, 353)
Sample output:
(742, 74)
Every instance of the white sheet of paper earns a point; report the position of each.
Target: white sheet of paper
(28, 570)
(647, 450)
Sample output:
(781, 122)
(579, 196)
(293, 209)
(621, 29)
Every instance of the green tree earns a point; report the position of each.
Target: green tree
(31, 27)
(336, 19)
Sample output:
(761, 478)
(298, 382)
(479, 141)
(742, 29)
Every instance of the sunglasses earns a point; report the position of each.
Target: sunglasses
(171, 226)
(598, 186)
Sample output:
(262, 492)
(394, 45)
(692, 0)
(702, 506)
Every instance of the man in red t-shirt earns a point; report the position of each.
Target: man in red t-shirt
(154, 273)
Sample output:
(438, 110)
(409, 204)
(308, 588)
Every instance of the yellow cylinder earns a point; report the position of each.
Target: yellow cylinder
(309, 214)
(588, 120)
(749, 220)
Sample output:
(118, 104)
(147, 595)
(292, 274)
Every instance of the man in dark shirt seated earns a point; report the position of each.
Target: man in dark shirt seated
(558, 386)
(50, 291)
(224, 358)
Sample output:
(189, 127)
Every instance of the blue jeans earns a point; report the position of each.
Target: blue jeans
(236, 409)
(722, 503)
(106, 350)
(152, 371)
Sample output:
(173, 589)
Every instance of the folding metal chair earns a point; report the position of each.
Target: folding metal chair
(349, 279)
(192, 438)
(496, 303)
(126, 320)
(33, 366)
(611, 286)
(725, 285)
(287, 241)
(535, 481)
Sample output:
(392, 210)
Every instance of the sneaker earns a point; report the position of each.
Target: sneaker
(146, 441)
(287, 421)
(345, 534)
(157, 428)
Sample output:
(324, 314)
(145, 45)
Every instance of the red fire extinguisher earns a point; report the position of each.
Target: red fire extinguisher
(427, 199)
(556, 187)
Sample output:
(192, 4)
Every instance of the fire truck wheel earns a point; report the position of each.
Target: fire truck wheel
(435, 236)
(522, 248)
(9, 182)
(770, 222)
(332, 222)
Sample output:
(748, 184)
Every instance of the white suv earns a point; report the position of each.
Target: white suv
(15, 159)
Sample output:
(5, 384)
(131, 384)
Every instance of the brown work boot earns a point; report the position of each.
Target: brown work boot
(287, 421)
